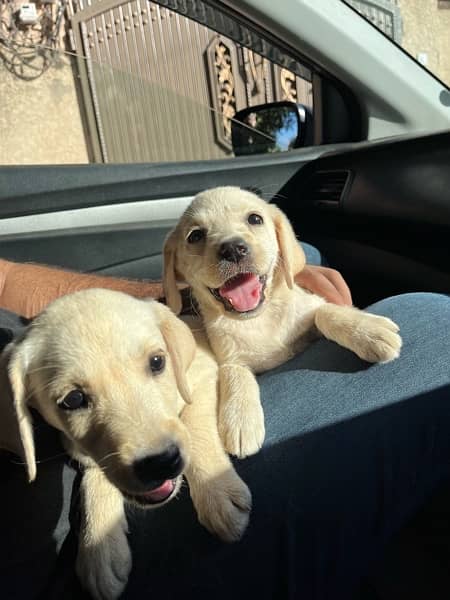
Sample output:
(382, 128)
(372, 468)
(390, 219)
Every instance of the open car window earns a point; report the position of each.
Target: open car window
(139, 81)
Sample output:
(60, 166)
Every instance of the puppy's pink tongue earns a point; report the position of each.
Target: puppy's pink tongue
(243, 292)
(162, 492)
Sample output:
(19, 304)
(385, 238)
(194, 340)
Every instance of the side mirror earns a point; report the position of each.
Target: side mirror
(272, 127)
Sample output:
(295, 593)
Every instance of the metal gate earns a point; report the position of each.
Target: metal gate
(160, 83)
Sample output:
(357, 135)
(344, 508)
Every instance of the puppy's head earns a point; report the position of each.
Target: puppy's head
(109, 372)
(232, 248)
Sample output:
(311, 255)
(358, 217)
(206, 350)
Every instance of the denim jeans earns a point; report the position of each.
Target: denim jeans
(351, 452)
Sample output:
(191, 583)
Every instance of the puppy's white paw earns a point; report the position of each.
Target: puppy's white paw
(379, 340)
(242, 431)
(241, 417)
(223, 505)
(103, 567)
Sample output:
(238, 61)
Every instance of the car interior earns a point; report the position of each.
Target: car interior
(378, 212)
(377, 207)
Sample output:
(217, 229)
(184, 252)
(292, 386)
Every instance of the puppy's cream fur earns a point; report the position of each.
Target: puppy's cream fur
(283, 324)
(101, 342)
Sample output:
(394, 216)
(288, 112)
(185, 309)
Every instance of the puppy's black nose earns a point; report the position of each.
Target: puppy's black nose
(233, 250)
(157, 467)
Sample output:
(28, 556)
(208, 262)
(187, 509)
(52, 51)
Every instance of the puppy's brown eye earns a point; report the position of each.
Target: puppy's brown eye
(74, 400)
(255, 219)
(196, 235)
(157, 363)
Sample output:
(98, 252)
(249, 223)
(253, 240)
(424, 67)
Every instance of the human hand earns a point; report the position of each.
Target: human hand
(325, 282)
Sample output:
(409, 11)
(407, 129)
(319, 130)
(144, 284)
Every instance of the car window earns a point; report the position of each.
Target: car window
(141, 82)
(421, 28)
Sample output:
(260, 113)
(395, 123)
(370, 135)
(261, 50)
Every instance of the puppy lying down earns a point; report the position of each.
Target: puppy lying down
(134, 397)
(239, 254)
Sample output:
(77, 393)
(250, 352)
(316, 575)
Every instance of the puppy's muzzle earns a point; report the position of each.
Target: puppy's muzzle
(160, 476)
(155, 467)
(233, 250)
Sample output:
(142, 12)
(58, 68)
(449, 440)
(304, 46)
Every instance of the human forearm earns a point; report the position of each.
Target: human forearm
(27, 288)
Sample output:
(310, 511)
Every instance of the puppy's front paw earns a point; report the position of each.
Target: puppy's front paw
(241, 417)
(242, 431)
(104, 566)
(223, 505)
(379, 340)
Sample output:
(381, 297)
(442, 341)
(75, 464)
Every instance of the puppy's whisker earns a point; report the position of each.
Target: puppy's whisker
(269, 194)
(50, 458)
(41, 461)
(108, 456)
(103, 469)
(277, 197)
(194, 309)
(44, 368)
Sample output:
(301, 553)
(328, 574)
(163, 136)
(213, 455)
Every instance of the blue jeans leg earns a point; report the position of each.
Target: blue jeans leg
(352, 451)
(313, 255)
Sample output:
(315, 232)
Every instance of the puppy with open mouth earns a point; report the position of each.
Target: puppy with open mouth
(239, 255)
(134, 397)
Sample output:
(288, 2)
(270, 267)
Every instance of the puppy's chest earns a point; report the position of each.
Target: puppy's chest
(269, 339)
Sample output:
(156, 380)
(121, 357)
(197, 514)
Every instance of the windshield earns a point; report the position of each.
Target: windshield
(421, 28)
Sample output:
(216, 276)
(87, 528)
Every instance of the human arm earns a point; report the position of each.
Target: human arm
(27, 288)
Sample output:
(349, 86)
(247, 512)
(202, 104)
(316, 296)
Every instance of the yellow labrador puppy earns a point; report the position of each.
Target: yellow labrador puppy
(117, 376)
(239, 254)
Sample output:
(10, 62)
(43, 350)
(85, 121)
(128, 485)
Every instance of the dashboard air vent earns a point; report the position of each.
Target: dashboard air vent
(328, 187)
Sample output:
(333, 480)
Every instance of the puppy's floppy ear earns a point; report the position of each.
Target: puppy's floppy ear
(292, 257)
(171, 291)
(181, 346)
(16, 426)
